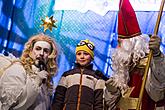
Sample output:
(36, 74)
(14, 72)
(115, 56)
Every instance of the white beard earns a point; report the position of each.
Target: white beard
(130, 52)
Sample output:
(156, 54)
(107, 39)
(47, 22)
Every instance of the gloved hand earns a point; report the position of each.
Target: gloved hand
(42, 75)
(154, 45)
(111, 85)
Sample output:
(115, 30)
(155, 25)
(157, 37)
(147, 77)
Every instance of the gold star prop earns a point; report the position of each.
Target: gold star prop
(48, 23)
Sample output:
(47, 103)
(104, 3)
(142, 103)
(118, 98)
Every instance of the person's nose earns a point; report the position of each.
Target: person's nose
(82, 56)
(41, 52)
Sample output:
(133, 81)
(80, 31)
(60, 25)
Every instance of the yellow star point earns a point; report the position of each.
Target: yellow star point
(48, 23)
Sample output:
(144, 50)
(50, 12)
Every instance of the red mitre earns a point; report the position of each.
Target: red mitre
(128, 26)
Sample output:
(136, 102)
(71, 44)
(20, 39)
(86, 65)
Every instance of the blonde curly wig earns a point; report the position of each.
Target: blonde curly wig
(27, 61)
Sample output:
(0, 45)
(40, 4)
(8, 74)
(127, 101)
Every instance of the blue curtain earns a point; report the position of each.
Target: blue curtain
(20, 19)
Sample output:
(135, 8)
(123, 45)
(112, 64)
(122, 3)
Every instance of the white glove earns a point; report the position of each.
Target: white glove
(111, 85)
(42, 75)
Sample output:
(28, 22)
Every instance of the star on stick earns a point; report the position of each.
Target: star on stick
(48, 23)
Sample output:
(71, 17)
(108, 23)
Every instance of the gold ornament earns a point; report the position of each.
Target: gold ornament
(48, 23)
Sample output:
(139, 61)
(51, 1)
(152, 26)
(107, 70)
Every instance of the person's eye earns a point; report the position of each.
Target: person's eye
(46, 50)
(86, 53)
(37, 48)
(78, 53)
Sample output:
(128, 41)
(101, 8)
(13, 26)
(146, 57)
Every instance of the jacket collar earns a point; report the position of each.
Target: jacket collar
(89, 66)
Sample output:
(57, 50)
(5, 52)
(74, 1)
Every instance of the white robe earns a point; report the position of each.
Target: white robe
(18, 91)
(155, 84)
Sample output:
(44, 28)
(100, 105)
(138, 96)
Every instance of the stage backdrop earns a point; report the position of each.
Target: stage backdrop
(95, 20)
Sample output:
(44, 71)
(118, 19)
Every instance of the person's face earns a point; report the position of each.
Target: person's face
(41, 50)
(83, 58)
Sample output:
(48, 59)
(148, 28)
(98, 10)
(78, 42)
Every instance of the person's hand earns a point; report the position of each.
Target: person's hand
(154, 45)
(111, 85)
(42, 75)
(51, 89)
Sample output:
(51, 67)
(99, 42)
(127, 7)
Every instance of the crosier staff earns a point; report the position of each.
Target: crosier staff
(150, 57)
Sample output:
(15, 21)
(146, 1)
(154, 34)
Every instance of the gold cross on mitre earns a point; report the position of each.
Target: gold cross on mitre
(48, 23)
